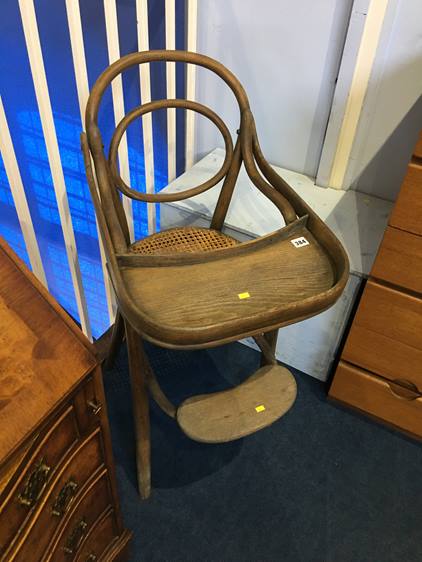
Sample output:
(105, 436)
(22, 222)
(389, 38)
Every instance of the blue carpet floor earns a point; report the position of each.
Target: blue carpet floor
(322, 484)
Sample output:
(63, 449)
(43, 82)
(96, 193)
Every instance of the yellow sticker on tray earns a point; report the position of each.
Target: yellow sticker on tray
(260, 408)
(244, 295)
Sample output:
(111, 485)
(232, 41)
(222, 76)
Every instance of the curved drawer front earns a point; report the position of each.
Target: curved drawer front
(407, 211)
(94, 502)
(377, 397)
(386, 335)
(10, 469)
(103, 533)
(29, 488)
(60, 498)
(399, 260)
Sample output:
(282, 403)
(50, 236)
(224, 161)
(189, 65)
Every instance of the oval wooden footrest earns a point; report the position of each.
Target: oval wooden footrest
(231, 414)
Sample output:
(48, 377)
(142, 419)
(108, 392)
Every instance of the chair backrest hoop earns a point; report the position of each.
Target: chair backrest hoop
(110, 200)
(91, 114)
(179, 195)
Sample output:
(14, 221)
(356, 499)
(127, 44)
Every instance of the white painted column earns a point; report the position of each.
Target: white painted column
(366, 25)
(112, 31)
(171, 89)
(19, 198)
(30, 29)
(145, 82)
(82, 86)
(191, 35)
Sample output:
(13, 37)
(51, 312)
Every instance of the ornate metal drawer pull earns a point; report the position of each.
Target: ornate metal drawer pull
(35, 484)
(95, 407)
(75, 538)
(64, 498)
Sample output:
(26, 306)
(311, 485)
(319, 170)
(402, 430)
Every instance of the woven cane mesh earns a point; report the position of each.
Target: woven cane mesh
(184, 239)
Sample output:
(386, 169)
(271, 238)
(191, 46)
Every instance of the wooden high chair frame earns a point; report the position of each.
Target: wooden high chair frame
(190, 288)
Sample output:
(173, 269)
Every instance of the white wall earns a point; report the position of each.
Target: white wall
(391, 117)
(286, 54)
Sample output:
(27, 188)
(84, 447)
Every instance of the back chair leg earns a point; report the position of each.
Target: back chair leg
(116, 340)
(138, 376)
(271, 338)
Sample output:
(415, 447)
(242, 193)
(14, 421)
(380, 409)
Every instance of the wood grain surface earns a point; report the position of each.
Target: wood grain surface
(386, 334)
(231, 414)
(279, 279)
(373, 395)
(407, 211)
(399, 259)
(391, 313)
(39, 355)
(381, 368)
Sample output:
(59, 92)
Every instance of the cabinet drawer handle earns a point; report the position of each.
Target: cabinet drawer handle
(95, 407)
(404, 389)
(35, 484)
(64, 498)
(75, 538)
(91, 558)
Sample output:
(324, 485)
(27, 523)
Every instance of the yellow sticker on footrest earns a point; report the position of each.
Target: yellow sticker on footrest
(260, 408)
(244, 295)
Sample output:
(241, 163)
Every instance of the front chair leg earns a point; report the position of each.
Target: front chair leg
(138, 378)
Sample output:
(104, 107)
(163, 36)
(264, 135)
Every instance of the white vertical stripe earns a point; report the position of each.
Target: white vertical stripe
(19, 197)
(33, 45)
(171, 88)
(145, 78)
(192, 23)
(112, 31)
(362, 72)
(82, 86)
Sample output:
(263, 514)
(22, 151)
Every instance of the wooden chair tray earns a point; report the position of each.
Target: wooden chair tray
(230, 292)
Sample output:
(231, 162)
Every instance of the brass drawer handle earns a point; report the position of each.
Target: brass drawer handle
(35, 484)
(91, 558)
(95, 407)
(75, 538)
(404, 389)
(64, 498)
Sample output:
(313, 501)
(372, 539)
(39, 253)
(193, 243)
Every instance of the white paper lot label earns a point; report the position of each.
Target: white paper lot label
(299, 242)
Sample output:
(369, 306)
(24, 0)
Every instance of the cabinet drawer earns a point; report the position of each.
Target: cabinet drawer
(94, 502)
(373, 395)
(11, 469)
(386, 334)
(399, 259)
(407, 211)
(77, 470)
(103, 533)
(28, 490)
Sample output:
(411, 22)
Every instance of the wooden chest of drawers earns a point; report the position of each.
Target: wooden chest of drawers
(58, 499)
(380, 371)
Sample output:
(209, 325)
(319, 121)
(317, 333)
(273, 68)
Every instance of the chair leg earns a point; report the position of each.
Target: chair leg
(138, 377)
(271, 338)
(116, 340)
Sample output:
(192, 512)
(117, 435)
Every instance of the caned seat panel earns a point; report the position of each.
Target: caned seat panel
(187, 239)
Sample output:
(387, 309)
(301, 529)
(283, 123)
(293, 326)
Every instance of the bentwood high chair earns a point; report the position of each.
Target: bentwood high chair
(190, 287)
